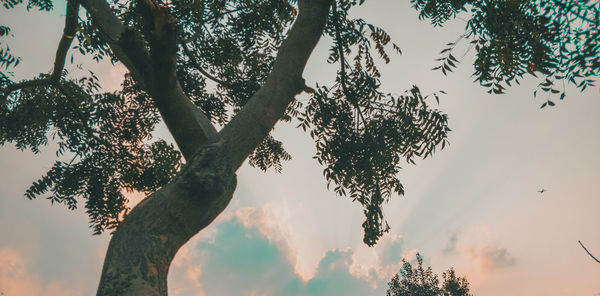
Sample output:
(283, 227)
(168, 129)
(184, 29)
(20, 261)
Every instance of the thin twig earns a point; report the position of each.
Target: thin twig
(588, 251)
(338, 37)
(196, 64)
(570, 9)
(199, 33)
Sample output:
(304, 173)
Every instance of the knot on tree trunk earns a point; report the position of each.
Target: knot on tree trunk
(208, 173)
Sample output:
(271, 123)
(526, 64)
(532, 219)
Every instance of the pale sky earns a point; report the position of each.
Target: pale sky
(473, 205)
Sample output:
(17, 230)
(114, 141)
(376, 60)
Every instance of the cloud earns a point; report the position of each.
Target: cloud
(390, 249)
(492, 257)
(16, 280)
(266, 223)
(333, 277)
(185, 273)
(480, 244)
(249, 254)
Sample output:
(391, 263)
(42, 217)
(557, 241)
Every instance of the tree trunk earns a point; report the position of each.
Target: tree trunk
(141, 250)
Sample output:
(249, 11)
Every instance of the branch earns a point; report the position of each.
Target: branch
(340, 51)
(198, 34)
(61, 52)
(154, 69)
(125, 42)
(59, 63)
(588, 252)
(23, 85)
(576, 12)
(353, 100)
(200, 69)
(249, 127)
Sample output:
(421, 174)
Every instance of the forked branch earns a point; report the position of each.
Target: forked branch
(61, 52)
(252, 124)
(154, 69)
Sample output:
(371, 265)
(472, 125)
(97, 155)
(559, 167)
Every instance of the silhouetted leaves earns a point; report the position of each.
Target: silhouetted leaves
(559, 39)
(363, 146)
(7, 59)
(269, 154)
(439, 11)
(105, 136)
(226, 52)
(419, 281)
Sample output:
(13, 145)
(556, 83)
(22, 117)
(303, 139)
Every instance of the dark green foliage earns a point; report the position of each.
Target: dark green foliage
(236, 42)
(269, 154)
(362, 147)
(7, 59)
(363, 134)
(45, 5)
(10, 3)
(439, 11)
(453, 285)
(419, 281)
(559, 39)
(225, 53)
(4, 30)
(104, 135)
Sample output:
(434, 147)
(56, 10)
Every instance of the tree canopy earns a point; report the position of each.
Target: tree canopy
(220, 74)
(222, 52)
(420, 281)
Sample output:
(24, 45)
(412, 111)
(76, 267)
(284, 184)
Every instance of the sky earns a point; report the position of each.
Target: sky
(473, 206)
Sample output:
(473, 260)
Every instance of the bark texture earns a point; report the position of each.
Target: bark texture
(141, 250)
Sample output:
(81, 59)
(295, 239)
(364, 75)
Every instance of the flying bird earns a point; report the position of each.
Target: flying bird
(542, 191)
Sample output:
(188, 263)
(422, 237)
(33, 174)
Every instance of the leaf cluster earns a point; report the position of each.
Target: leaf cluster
(363, 147)
(362, 134)
(558, 40)
(45, 5)
(105, 136)
(420, 281)
(231, 46)
(227, 51)
(7, 59)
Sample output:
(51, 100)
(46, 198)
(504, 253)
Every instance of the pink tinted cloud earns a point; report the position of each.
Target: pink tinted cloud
(17, 280)
(479, 243)
(492, 257)
(186, 271)
(184, 277)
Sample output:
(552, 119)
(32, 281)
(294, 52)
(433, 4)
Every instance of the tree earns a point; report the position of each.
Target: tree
(221, 74)
(419, 281)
